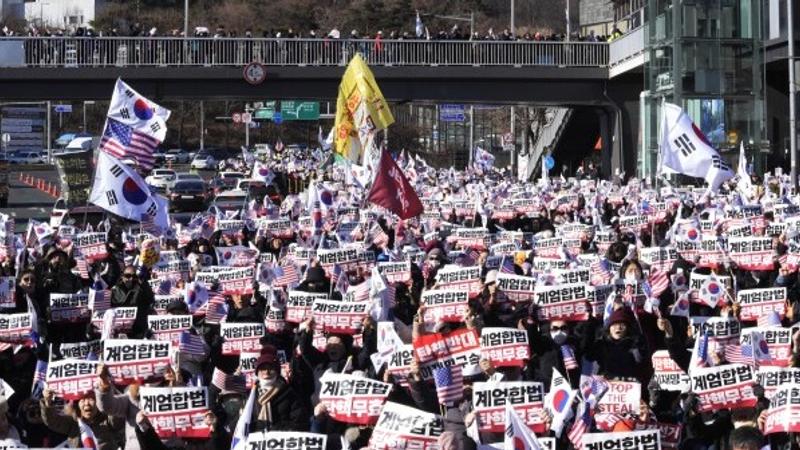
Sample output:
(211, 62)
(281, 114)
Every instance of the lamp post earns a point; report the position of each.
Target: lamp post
(792, 93)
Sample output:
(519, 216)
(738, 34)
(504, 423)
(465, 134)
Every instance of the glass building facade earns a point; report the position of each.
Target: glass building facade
(705, 56)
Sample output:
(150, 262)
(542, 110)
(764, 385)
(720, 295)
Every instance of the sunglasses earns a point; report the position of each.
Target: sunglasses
(557, 328)
(27, 280)
(128, 275)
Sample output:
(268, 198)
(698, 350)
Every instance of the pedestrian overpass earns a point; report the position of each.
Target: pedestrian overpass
(540, 73)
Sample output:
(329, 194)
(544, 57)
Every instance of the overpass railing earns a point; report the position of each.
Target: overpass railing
(214, 52)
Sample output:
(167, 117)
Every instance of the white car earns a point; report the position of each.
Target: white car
(204, 162)
(26, 158)
(161, 178)
(177, 156)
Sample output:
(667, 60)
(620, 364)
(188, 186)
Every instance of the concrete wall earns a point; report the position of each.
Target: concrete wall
(68, 14)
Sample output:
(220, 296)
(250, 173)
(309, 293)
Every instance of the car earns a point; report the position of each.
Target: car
(26, 157)
(187, 176)
(187, 195)
(231, 200)
(204, 162)
(161, 179)
(159, 157)
(257, 189)
(231, 179)
(177, 156)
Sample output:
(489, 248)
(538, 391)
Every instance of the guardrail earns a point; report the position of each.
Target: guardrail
(214, 52)
(626, 52)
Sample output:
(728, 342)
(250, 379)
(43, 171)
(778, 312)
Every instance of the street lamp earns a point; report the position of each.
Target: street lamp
(186, 18)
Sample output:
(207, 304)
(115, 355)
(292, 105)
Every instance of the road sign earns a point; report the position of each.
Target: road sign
(237, 117)
(247, 117)
(63, 108)
(6, 138)
(451, 113)
(255, 73)
(297, 110)
(277, 117)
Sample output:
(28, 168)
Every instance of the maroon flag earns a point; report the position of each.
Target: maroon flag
(392, 190)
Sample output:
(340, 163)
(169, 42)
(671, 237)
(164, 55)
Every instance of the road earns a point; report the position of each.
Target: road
(26, 202)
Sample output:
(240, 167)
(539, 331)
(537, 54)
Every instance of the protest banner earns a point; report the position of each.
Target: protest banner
(661, 258)
(279, 228)
(136, 360)
(572, 276)
(404, 427)
(756, 303)
(16, 328)
(541, 264)
(333, 316)
(630, 440)
(711, 252)
(670, 435)
(241, 337)
(169, 328)
(298, 305)
(516, 288)
(753, 253)
(232, 280)
(352, 399)
(75, 174)
(173, 270)
(549, 247)
(69, 308)
(176, 411)
(622, 397)
(525, 397)
(285, 440)
(395, 272)
(122, 321)
(563, 302)
(460, 278)
(771, 378)
(783, 415)
(460, 347)
(71, 379)
(668, 375)
(721, 387)
(505, 347)
(778, 340)
(80, 350)
(444, 306)
(721, 331)
(597, 296)
(399, 363)
(92, 246)
(163, 300)
(634, 223)
(230, 227)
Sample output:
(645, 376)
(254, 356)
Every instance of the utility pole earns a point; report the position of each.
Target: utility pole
(186, 18)
(513, 138)
(513, 29)
(202, 125)
(792, 93)
(247, 127)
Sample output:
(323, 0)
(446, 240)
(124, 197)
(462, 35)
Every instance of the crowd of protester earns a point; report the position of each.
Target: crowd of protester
(614, 342)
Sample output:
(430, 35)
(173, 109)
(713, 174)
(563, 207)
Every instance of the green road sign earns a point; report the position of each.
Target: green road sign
(266, 112)
(297, 110)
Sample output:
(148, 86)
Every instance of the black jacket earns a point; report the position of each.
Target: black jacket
(289, 411)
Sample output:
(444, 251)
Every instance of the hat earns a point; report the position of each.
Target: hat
(619, 315)
(436, 253)
(315, 274)
(177, 306)
(268, 357)
(55, 251)
(491, 277)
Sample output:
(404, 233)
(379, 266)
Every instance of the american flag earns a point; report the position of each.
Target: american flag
(379, 237)
(122, 142)
(39, 377)
(773, 319)
(342, 282)
(739, 354)
(659, 281)
(191, 344)
(449, 384)
(507, 266)
(569, 357)
(285, 275)
(593, 388)
(582, 424)
(81, 265)
(600, 272)
(216, 308)
(226, 382)
(360, 292)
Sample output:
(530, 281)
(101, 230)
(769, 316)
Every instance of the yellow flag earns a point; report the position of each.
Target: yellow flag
(360, 109)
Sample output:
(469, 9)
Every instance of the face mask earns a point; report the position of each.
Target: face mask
(559, 337)
(434, 263)
(630, 277)
(266, 383)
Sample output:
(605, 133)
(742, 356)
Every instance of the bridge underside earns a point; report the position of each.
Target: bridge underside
(460, 84)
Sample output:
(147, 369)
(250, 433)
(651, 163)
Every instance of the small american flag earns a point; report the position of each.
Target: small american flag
(39, 377)
(81, 266)
(226, 382)
(773, 319)
(191, 344)
(739, 354)
(379, 237)
(216, 308)
(600, 272)
(582, 424)
(342, 283)
(449, 384)
(360, 292)
(569, 357)
(285, 275)
(659, 281)
(122, 142)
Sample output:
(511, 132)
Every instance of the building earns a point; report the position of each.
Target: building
(11, 10)
(66, 14)
(723, 61)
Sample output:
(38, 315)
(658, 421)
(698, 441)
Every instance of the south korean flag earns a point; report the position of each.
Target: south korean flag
(132, 109)
(121, 191)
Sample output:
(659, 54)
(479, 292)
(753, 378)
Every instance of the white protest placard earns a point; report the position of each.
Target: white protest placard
(505, 347)
(444, 305)
(460, 347)
(630, 440)
(729, 386)
(92, 246)
(335, 316)
(404, 427)
(756, 303)
(130, 360)
(783, 415)
(176, 411)
(771, 378)
(169, 328)
(241, 337)
(753, 253)
(563, 302)
(298, 305)
(352, 399)
(71, 379)
(525, 397)
(16, 328)
(395, 271)
(516, 288)
(460, 278)
(622, 397)
(69, 308)
(668, 374)
(285, 440)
